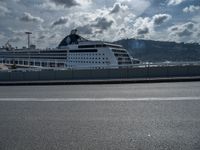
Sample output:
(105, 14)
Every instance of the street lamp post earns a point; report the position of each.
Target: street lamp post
(28, 34)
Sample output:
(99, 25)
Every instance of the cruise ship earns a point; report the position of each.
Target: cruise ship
(73, 52)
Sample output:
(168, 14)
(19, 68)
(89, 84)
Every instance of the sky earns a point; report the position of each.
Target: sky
(109, 20)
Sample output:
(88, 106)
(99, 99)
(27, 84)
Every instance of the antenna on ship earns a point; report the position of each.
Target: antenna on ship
(28, 34)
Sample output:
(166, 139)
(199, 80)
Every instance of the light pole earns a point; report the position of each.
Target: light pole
(28, 34)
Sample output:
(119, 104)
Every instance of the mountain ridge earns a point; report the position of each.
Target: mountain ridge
(157, 51)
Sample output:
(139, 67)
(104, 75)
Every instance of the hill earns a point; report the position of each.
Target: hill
(156, 51)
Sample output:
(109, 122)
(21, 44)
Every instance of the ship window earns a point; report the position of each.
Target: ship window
(86, 46)
(83, 51)
(37, 63)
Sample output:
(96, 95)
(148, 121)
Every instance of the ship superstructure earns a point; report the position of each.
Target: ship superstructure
(73, 52)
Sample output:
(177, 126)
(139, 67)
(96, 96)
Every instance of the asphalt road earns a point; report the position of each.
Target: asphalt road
(163, 116)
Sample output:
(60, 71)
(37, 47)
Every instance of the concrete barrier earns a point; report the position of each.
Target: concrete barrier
(63, 75)
(4, 76)
(137, 73)
(81, 74)
(194, 71)
(155, 72)
(99, 74)
(16, 76)
(47, 75)
(122, 73)
(31, 76)
(117, 73)
(178, 71)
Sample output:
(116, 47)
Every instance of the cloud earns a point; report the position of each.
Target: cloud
(146, 25)
(61, 5)
(60, 21)
(97, 26)
(136, 6)
(143, 27)
(161, 18)
(183, 30)
(53, 36)
(27, 17)
(191, 9)
(196, 18)
(116, 8)
(46, 5)
(189, 25)
(175, 2)
(15, 39)
(2, 36)
(103, 23)
(3, 10)
(84, 2)
(66, 3)
(143, 31)
(17, 32)
(86, 29)
(42, 37)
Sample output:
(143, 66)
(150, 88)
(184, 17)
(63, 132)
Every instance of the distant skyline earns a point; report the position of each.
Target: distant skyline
(110, 20)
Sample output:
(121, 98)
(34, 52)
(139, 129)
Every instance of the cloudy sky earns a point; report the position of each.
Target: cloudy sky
(110, 20)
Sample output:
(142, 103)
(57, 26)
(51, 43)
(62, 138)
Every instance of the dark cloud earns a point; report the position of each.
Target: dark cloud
(161, 18)
(42, 37)
(66, 3)
(60, 21)
(86, 29)
(174, 29)
(116, 8)
(52, 36)
(189, 25)
(102, 23)
(143, 31)
(185, 32)
(98, 26)
(27, 17)
(122, 30)
(198, 35)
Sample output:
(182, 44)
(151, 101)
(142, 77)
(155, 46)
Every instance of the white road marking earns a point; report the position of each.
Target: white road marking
(102, 99)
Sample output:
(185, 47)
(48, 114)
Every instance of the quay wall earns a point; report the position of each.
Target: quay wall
(123, 73)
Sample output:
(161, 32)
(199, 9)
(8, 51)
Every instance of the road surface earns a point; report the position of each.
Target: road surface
(164, 116)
